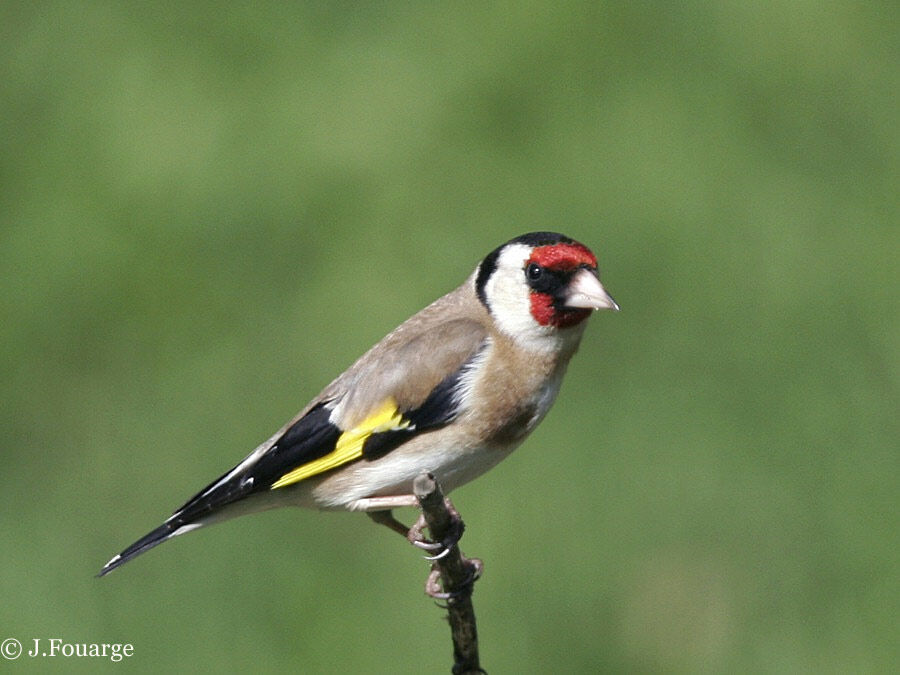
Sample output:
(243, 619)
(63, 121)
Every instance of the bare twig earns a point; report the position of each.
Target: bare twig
(457, 574)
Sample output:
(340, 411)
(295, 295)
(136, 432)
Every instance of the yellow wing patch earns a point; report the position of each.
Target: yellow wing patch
(349, 445)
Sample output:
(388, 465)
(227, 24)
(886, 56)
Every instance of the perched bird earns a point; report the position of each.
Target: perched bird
(453, 390)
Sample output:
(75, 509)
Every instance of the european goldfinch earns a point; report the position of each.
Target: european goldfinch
(453, 390)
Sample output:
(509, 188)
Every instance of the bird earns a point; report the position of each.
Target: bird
(452, 391)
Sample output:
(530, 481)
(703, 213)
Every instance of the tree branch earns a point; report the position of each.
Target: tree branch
(457, 574)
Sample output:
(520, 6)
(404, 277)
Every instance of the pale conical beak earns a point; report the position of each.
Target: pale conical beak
(586, 292)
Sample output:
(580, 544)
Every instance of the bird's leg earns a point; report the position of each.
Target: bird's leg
(452, 576)
(417, 538)
(440, 549)
(414, 535)
(379, 510)
(386, 518)
(454, 533)
(370, 504)
(434, 588)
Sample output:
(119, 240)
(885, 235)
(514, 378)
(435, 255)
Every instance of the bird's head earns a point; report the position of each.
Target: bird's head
(539, 285)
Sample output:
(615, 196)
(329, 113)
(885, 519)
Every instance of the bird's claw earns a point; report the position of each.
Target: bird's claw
(426, 545)
(434, 589)
(438, 556)
(442, 548)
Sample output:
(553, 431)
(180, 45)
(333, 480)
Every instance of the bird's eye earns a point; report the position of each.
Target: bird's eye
(534, 271)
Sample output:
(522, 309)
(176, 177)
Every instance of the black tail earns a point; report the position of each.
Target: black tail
(165, 531)
(220, 493)
(233, 486)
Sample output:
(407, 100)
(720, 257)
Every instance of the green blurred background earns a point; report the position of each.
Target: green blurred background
(208, 210)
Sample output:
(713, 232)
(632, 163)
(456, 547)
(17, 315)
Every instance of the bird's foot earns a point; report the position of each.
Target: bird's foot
(434, 586)
(442, 548)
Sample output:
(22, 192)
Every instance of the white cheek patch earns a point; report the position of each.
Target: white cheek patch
(508, 297)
